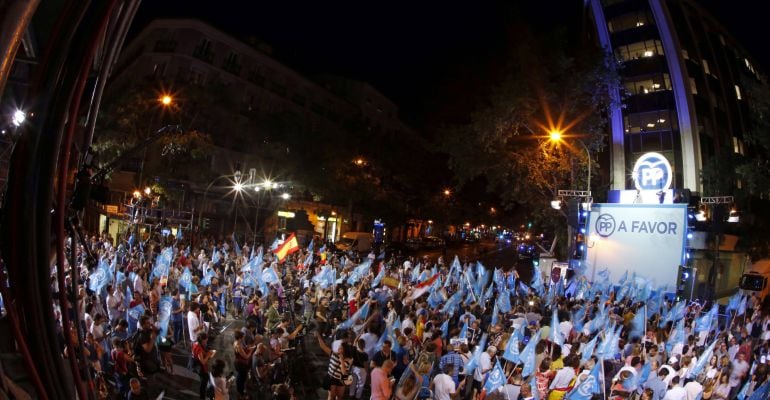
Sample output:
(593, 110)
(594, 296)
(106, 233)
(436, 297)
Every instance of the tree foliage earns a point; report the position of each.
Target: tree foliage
(543, 88)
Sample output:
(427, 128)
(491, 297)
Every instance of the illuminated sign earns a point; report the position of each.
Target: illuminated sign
(112, 209)
(652, 171)
(286, 214)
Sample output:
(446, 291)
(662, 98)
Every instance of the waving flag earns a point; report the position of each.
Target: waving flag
(578, 319)
(100, 277)
(527, 355)
(164, 314)
(702, 361)
(445, 329)
(537, 281)
(464, 331)
(378, 278)
(495, 379)
(495, 313)
(473, 362)
(637, 324)
(504, 301)
(215, 256)
(186, 280)
(589, 387)
(236, 246)
(608, 348)
(451, 305)
(742, 306)
(360, 271)
(512, 350)
(361, 314)
(734, 302)
(556, 335)
(762, 392)
(422, 288)
(210, 273)
(289, 246)
(269, 276)
(676, 337)
(588, 351)
(704, 322)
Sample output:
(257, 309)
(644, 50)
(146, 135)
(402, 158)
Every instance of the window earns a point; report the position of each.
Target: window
(203, 51)
(647, 85)
(693, 86)
(635, 51)
(649, 122)
(231, 64)
(706, 67)
(628, 21)
(159, 70)
(738, 92)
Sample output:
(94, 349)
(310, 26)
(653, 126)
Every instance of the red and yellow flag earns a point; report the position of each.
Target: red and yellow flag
(289, 246)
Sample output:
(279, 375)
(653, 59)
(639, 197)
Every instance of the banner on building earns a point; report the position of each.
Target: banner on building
(648, 239)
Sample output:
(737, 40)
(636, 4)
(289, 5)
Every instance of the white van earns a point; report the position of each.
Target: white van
(358, 241)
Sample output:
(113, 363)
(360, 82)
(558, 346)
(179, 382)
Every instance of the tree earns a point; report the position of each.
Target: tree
(543, 88)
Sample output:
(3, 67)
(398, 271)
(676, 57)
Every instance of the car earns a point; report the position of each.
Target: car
(433, 242)
(413, 243)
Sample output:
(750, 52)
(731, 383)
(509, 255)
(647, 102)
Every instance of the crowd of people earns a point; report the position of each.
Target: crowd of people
(395, 327)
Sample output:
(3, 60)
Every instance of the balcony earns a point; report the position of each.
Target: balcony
(204, 54)
(232, 67)
(165, 46)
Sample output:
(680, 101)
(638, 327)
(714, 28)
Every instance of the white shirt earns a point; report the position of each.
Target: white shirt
(193, 324)
(676, 393)
(693, 389)
(443, 387)
(565, 328)
(563, 378)
(371, 342)
(138, 284)
(114, 301)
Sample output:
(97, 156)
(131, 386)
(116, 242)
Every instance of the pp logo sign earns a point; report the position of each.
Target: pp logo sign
(605, 225)
(652, 171)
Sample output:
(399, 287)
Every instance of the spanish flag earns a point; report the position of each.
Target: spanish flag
(289, 246)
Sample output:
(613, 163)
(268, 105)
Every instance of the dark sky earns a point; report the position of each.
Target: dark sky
(432, 58)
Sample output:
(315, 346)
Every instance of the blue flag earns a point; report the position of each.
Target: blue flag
(378, 278)
(645, 373)
(473, 362)
(537, 281)
(702, 361)
(495, 379)
(100, 276)
(269, 275)
(186, 280)
(528, 355)
(445, 329)
(588, 351)
(215, 257)
(512, 350)
(164, 314)
(589, 387)
(637, 324)
(676, 337)
(179, 236)
(210, 273)
(704, 322)
(556, 336)
(235, 246)
(761, 393)
(464, 331)
(361, 314)
(504, 301)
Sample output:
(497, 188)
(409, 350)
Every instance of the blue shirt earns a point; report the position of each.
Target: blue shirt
(454, 359)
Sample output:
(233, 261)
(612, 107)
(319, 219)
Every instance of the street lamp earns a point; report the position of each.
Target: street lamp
(285, 196)
(18, 118)
(166, 100)
(556, 136)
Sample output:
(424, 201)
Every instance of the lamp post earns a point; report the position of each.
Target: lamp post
(238, 187)
(556, 137)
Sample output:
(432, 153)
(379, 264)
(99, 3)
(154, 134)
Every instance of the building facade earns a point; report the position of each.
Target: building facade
(682, 90)
(185, 52)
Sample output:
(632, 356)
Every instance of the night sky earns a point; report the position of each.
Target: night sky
(433, 59)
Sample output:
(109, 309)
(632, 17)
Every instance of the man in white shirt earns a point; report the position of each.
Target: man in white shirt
(443, 385)
(693, 389)
(194, 325)
(485, 365)
(676, 392)
(115, 305)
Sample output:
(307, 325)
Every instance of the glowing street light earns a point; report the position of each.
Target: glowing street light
(447, 192)
(166, 100)
(238, 187)
(359, 161)
(555, 135)
(147, 190)
(18, 118)
(285, 196)
(137, 194)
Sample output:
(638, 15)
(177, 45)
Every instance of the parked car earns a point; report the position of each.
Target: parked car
(433, 242)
